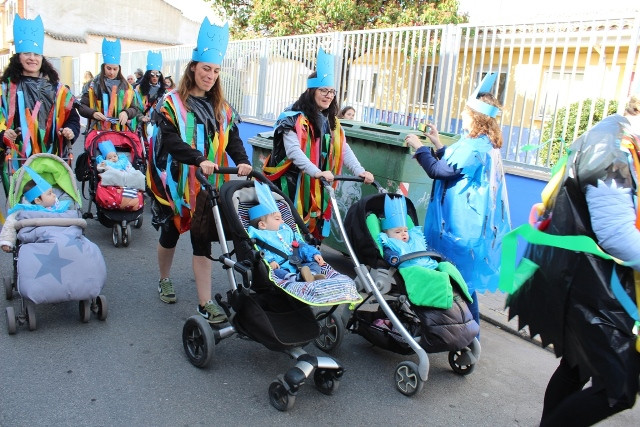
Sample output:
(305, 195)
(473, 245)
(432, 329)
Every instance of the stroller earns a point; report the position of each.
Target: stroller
(386, 317)
(51, 252)
(118, 207)
(273, 312)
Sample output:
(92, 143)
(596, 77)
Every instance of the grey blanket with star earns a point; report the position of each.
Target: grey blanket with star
(57, 263)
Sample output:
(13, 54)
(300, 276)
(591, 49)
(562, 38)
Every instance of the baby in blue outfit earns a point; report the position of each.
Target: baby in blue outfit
(110, 157)
(397, 240)
(268, 226)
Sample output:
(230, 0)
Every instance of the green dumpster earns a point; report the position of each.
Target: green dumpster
(382, 151)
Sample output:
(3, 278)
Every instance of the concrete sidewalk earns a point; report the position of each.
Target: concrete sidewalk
(492, 311)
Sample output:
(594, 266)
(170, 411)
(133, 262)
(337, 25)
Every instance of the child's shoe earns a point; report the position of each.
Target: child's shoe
(319, 277)
(305, 274)
(165, 289)
(212, 312)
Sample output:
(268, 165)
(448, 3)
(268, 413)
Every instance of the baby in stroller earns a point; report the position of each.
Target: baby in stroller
(114, 165)
(288, 255)
(417, 302)
(50, 251)
(38, 196)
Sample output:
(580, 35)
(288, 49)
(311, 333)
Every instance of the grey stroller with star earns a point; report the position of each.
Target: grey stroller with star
(51, 252)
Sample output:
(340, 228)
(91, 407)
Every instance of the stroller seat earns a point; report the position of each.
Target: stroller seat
(336, 288)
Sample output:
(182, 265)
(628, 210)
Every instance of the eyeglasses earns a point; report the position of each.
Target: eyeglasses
(154, 74)
(327, 92)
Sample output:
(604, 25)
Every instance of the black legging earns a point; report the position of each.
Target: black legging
(567, 404)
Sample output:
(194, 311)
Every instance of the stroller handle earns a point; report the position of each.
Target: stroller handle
(375, 183)
(232, 171)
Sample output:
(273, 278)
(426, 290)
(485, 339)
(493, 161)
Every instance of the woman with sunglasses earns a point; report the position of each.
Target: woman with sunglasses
(111, 101)
(308, 145)
(150, 90)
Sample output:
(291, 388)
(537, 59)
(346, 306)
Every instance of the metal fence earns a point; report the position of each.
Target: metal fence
(549, 74)
(555, 79)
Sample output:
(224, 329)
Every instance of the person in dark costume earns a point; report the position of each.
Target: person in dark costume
(582, 301)
(37, 110)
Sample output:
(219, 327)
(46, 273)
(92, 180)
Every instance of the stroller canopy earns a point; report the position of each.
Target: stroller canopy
(51, 168)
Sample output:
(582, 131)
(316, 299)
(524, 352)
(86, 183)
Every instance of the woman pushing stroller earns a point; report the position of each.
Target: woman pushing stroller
(179, 149)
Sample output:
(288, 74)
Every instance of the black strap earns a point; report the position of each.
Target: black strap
(273, 249)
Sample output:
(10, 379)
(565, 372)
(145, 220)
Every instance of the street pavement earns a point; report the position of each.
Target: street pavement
(131, 370)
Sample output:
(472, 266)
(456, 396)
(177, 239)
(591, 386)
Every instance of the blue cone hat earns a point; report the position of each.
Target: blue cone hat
(41, 185)
(266, 202)
(395, 212)
(324, 71)
(212, 43)
(28, 35)
(111, 52)
(154, 60)
(106, 147)
(482, 107)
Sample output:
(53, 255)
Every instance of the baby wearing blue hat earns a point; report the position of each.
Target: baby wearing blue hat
(268, 226)
(110, 157)
(37, 194)
(396, 238)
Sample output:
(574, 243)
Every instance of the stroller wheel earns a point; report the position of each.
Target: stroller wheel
(116, 235)
(325, 381)
(331, 332)
(198, 341)
(280, 398)
(458, 362)
(407, 378)
(11, 321)
(85, 310)
(138, 222)
(126, 236)
(8, 288)
(30, 308)
(101, 307)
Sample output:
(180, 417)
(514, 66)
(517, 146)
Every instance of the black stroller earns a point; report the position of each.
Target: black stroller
(259, 308)
(386, 317)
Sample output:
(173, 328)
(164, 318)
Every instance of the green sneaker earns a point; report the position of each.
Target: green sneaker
(212, 312)
(165, 288)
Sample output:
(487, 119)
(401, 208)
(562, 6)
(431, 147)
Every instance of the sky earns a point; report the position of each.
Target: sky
(193, 9)
(514, 11)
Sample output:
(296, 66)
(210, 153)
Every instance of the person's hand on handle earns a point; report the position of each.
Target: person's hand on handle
(11, 134)
(208, 167)
(244, 169)
(67, 133)
(123, 117)
(99, 116)
(367, 176)
(327, 175)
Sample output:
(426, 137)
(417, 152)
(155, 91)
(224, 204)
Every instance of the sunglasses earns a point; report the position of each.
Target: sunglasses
(154, 74)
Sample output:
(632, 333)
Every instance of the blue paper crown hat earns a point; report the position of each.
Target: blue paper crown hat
(266, 202)
(395, 212)
(111, 51)
(28, 35)
(212, 43)
(484, 87)
(106, 147)
(154, 60)
(41, 185)
(324, 71)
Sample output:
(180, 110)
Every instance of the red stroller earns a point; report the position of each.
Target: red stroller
(118, 207)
